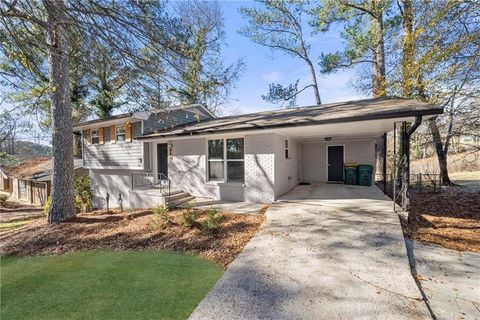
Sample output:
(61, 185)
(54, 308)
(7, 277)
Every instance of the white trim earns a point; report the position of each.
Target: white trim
(292, 131)
(143, 145)
(83, 147)
(336, 141)
(326, 162)
(113, 168)
(19, 194)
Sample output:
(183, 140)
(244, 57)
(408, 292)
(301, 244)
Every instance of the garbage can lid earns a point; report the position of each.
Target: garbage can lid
(350, 164)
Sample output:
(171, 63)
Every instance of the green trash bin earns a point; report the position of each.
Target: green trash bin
(351, 173)
(365, 173)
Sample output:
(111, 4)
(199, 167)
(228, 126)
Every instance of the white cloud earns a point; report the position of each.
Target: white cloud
(274, 76)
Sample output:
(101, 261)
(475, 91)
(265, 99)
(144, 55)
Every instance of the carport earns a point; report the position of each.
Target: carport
(326, 251)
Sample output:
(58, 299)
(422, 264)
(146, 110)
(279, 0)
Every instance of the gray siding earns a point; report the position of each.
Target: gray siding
(124, 155)
(161, 121)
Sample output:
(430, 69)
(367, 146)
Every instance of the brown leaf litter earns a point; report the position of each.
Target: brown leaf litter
(450, 219)
(135, 230)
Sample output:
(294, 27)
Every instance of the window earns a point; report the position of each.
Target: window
(215, 160)
(287, 156)
(120, 133)
(226, 160)
(95, 136)
(22, 189)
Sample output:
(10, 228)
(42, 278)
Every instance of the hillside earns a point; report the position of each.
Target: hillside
(26, 149)
(460, 162)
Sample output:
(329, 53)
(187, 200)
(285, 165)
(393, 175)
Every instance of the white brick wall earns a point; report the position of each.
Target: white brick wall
(314, 157)
(187, 169)
(286, 170)
(113, 182)
(268, 174)
(260, 168)
(188, 172)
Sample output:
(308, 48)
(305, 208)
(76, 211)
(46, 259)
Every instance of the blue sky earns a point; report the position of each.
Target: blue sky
(264, 66)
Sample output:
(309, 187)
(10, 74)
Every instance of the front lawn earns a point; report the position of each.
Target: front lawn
(11, 225)
(105, 285)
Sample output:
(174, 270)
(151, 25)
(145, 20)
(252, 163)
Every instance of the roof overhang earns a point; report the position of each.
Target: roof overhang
(366, 129)
(110, 121)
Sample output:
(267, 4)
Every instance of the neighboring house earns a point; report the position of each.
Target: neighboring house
(254, 157)
(5, 181)
(30, 180)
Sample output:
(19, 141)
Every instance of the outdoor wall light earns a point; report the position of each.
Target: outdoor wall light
(328, 138)
(170, 151)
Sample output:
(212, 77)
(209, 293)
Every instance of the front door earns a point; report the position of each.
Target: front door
(162, 160)
(335, 163)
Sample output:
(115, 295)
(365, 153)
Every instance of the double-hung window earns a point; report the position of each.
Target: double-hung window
(120, 133)
(226, 160)
(95, 136)
(22, 190)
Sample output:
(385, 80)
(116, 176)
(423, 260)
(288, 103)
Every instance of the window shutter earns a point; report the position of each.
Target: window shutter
(89, 136)
(128, 132)
(113, 136)
(101, 138)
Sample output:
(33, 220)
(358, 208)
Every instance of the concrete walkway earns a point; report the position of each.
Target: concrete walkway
(449, 278)
(324, 252)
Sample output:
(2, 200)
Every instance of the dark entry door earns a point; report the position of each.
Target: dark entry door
(162, 160)
(335, 163)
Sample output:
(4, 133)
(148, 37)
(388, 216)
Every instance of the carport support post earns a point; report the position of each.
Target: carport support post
(384, 163)
(394, 172)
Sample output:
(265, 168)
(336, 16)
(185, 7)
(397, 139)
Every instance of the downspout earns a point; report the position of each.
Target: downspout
(415, 125)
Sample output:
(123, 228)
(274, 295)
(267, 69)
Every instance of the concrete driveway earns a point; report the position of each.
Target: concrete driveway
(324, 252)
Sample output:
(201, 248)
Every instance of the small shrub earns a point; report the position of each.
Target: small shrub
(162, 212)
(3, 199)
(46, 206)
(83, 193)
(188, 218)
(212, 223)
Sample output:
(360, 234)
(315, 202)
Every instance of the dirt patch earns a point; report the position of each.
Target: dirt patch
(134, 230)
(450, 219)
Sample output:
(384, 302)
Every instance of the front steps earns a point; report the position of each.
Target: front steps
(177, 198)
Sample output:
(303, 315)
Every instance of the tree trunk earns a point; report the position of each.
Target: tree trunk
(314, 81)
(441, 155)
(62, 204)
(380, 157)
(379, 81)
(408, 54)
(379, 87)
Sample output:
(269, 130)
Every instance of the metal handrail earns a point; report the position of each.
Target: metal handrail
(142, 179)
(147, 179)
(164, 184)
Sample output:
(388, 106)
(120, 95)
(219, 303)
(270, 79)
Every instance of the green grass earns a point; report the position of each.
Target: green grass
(105, 285)
(7, 226)
(467, 178)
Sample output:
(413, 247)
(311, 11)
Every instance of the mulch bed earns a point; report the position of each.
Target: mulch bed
(136, 230)
(450, 219)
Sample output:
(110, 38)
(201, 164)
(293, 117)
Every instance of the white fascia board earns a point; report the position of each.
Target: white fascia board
(364, 129)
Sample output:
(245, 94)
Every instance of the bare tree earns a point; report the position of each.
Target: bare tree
(278, 25)
(363, 31)
(124, 26)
